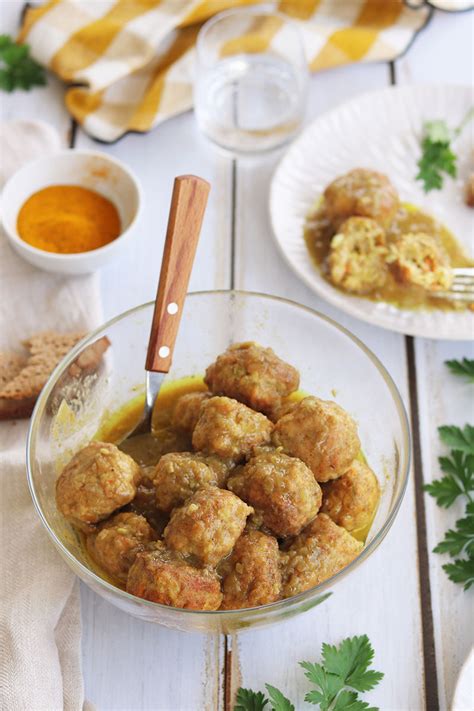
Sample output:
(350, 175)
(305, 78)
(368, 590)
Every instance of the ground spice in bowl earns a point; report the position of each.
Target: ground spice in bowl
(68, 219)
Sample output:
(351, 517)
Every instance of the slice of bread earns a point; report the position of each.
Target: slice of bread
(22, 378)
(10, 365)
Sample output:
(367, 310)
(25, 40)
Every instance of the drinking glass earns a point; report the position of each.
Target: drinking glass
(251, 80)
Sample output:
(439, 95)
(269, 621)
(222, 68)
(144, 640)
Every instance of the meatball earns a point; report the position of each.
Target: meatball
(418, 258)
(357, 256)
(186, 410)
(253, 375)
(252, 574)
(162, 576)
(178, 475)
(361, 192)
(208, 525)
(282, 409)
(351, 500)
(317, 554)
(229, 429)
(98, 480)
(320, 433)
(116, 544)
(281, 489)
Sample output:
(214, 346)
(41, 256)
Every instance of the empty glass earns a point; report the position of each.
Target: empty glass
(251, 80)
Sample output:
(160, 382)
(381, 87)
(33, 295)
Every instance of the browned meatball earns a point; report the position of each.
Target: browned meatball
(361, 192)
(186, 410)
(352, 499)
(98, 480)
(253, 375)
(208, 525)
(229, 429)
(282, 409)
(280, 488)
(118, 541)
(317, 554)
(179, 474)
(252, 575)
(321, 434)
(162, 576)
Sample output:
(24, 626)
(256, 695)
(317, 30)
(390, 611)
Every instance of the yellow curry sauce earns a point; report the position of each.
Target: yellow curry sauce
(68, 219)
(409, 218)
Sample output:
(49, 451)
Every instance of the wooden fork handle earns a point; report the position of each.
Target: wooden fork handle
(188, 204)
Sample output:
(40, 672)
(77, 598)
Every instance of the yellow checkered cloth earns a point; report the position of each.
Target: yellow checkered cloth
(134, 59)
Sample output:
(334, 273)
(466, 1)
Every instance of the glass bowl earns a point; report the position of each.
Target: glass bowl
(333, 365)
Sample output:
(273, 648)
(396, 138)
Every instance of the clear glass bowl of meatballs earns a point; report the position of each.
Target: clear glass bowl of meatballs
(266, 478)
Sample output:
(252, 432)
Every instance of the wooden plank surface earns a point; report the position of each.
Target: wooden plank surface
(385, 606)
(130, 665)
(441, 54)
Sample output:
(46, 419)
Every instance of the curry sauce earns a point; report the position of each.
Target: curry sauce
(409, 218)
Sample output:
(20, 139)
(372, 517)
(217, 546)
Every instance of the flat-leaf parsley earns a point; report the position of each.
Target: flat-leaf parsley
(343, 673)
(17, 69)
(458, 480)
(438, 157)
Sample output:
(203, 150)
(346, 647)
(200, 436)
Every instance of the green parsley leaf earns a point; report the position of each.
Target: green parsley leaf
(248, 700)
(278, 701)
(437, 157)
(349, 701)
(17, 69)
(464, 368)
(461, 539)
(461, 571)
(345, 670)
(329, 685)
(459, 479)
(437, 131)
(351, 661)
(457, 438)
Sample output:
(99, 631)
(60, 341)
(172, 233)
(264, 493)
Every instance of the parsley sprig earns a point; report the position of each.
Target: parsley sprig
(17, 69)
(464, 367)
(343, 673)
(437, 156)
(458, 481)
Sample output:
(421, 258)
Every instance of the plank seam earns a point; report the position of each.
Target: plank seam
(427, 621)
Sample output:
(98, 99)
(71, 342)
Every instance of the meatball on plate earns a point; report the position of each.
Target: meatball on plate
(355, 225)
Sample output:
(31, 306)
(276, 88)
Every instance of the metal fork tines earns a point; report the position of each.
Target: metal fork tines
(462, 288)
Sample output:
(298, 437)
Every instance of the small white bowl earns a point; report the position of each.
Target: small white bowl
(88, 169)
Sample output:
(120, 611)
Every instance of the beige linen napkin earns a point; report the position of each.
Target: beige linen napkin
(40, 627)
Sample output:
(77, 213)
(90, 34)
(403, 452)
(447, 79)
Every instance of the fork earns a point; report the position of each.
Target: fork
(462, 288)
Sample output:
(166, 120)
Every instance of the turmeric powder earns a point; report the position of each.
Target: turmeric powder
(68, 219)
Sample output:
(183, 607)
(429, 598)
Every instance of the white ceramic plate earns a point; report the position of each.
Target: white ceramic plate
(464, 693)
(380, 130)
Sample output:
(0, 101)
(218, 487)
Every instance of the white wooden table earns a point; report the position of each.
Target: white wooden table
(420, 623)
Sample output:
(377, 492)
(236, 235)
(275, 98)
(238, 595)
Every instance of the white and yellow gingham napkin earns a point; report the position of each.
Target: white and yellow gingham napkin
(134, 59)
